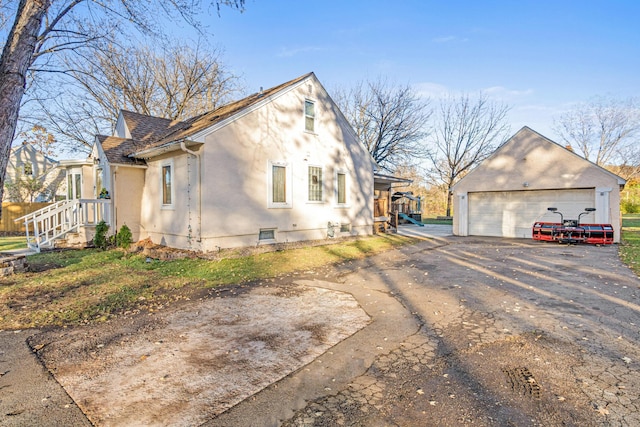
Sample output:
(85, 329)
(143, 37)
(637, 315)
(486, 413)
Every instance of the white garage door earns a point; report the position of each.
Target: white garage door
(512, 213)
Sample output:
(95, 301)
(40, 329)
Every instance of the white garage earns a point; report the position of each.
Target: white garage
(513, 188)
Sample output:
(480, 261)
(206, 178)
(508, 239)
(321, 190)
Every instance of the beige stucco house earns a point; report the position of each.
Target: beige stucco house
(513, 188)
(27, 164)
(281, 165)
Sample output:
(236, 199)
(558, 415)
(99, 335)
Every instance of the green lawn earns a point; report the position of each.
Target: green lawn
(437, 221)
(13, 242)
(630, 246)
(90, 285)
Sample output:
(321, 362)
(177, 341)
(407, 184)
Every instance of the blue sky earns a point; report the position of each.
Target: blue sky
(540, 57)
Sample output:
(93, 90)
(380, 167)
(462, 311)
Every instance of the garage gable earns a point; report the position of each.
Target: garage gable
(528, 160)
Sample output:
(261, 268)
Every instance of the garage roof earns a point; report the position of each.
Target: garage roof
(530, 161)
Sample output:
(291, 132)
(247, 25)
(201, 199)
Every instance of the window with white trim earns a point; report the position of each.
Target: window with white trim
(267, 234)
(167, 187)
(309, 116)
(315, 184)
(341, 188)
(279, 185)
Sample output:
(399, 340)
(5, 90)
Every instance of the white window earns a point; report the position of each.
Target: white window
(342, 187)
(309, 116)
(267, 234)
(98, 181)
(167, 187)
(279, 185)
(315, 184)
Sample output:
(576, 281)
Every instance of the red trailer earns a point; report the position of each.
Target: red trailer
(571, 231)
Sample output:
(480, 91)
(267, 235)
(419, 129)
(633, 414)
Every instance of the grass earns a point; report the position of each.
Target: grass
(437, 221)
(90, 285)
(11, 243)
(630, 246)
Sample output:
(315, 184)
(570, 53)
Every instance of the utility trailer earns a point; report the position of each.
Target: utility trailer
(571, 231)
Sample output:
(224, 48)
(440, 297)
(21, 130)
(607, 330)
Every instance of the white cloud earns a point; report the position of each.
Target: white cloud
(431, 90)
(503, 92)
(287, 52)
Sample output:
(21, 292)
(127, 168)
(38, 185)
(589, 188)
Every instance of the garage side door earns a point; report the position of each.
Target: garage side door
(512, 213)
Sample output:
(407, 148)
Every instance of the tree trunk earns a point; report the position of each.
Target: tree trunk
(16, 59)
(449, 199)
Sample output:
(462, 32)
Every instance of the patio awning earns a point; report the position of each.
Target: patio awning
(385, 182)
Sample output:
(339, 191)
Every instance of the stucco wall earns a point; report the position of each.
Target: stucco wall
(127, 186)
(539, 163)
(172, 225)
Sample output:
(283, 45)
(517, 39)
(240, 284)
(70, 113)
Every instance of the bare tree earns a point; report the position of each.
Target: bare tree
(601, 130)
(43, 28)
(628, 166)
(176, 82)
(466, 132)
(40, 138)
(389, 120)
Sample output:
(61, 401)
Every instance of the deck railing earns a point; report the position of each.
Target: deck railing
(54, 221)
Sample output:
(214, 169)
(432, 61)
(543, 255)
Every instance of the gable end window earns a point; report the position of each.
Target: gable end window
(167, 184)
(28, 169)
(315, 184)
(309, 116)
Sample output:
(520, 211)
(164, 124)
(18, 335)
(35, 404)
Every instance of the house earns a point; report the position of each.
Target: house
(281, 165)
(529, 173)
(31, 176)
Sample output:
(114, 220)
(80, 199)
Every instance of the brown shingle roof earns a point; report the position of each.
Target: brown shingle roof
(117, 149)
(148, 130)
(145, 128)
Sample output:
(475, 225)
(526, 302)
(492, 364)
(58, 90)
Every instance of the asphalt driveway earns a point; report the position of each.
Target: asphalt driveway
(506, 333)
(461, 331)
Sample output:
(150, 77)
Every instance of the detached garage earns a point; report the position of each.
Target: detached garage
(513, 188)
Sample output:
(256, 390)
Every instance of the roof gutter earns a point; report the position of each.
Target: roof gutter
(155, 151)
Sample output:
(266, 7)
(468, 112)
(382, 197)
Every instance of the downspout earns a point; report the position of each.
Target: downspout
(184, 148)
(114, 210)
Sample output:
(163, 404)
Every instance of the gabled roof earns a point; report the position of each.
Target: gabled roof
(148, 132)
(144, 128)
(532, 159)
(29, 147)
(117, 149)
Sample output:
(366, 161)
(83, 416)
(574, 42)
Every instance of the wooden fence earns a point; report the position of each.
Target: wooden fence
(12, 211)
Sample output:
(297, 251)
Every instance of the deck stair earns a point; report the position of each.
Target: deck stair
(43, 227)
(408, 218)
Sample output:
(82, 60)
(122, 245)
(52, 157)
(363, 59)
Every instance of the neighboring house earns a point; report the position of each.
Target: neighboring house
(31, 176)
(513, 188)
(281, 165)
